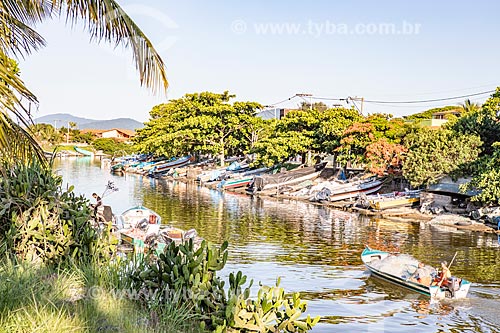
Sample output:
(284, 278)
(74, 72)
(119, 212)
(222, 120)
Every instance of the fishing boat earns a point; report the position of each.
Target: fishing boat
(283, 179)
(118, 168)
(83, 151)
(241, 180)
(133, 217)
(394, 199)
(354, 189)
(163, 168)
(141, 229)
(399, 268)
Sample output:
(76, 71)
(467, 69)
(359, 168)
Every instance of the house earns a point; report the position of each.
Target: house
(439, 118)
(272, 113)
(114, 133)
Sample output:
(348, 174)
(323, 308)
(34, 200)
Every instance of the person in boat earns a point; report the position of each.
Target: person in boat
(444, 276)
(421, 275)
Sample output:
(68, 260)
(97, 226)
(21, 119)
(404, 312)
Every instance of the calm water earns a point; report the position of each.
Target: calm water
(316, 251)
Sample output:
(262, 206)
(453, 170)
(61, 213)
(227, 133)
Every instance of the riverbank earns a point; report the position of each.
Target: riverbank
(402, 214)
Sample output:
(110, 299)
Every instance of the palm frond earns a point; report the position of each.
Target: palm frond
(18, 38)
(107, 21)
(11, 83)
(16, 144)
(29, 11)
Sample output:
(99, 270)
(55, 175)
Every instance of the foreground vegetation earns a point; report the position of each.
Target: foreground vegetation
(60, 274)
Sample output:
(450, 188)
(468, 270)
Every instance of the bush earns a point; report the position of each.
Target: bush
(41, 222)
(186, 275)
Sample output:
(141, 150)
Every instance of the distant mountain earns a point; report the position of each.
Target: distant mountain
(62, 119)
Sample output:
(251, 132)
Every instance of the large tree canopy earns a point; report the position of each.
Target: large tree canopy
(204, 123)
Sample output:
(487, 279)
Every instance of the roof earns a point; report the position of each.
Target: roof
(456, 111)
(100, 131)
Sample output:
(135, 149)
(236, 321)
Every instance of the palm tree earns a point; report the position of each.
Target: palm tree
(468, 106)
(104, 19)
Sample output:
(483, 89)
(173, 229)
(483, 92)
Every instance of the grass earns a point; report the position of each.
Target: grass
(90, 298)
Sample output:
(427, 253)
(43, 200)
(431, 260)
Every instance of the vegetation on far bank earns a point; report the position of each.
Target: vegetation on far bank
(208, 123)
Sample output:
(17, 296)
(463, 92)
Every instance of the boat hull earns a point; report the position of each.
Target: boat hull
(381, 205)
(356, 191)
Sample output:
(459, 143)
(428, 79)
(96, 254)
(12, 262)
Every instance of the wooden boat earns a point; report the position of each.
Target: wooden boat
(166, 166)
(395, 199)
(354, 189)
(282, 179)
(236, 182)
(241, 180)
(456, 289)
(83, 151)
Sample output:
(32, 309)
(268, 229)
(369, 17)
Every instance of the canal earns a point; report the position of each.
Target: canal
(316, 251)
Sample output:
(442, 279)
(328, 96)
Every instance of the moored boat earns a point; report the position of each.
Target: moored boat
(399, 268)
(282, 179)
(394, 199)
(83, 151)
(143, 231)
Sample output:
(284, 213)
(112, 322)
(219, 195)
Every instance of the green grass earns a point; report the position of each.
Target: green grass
(90, 298)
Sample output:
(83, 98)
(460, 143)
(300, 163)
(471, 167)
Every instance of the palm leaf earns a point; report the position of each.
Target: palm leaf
(107, 21)
(18, 38)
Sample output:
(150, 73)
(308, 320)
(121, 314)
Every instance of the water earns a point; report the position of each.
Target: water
(316, 251)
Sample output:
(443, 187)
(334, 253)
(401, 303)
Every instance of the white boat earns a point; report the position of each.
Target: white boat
(389, 267)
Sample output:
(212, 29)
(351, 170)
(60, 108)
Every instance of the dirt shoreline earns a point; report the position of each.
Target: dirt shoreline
(402, 214)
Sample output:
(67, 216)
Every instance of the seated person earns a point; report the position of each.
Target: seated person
(443, 276)
(421, 275)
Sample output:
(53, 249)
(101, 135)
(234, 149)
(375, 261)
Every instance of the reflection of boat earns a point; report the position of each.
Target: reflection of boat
(394, 199)
(83, 151)
(399, 268)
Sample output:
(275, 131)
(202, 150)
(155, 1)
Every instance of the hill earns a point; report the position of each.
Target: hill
(62, 119)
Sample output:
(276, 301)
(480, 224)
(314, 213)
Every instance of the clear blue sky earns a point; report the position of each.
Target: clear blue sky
(325, 48)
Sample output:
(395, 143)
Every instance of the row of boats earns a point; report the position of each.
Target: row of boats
(141, 229)
(303, 182)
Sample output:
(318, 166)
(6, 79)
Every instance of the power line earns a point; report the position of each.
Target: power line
(430, 100)
(283, 101)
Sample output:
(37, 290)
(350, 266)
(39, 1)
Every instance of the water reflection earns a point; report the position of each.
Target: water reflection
(316, 251)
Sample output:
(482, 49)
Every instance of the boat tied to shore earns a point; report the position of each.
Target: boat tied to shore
(400, 269)
(141, 229)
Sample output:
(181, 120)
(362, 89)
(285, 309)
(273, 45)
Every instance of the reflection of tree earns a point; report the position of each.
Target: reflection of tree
(301, 233)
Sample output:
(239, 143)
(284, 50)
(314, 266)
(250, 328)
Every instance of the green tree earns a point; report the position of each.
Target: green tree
(205, 123)
(292, 135)
(487, 178)
(483, 122)
(436, 153)
(331, 127)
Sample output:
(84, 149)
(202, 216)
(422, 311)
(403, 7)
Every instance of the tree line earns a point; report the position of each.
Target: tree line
(210, 124)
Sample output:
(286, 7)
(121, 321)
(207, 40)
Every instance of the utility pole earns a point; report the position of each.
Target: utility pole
(310, 99)
(357, 99)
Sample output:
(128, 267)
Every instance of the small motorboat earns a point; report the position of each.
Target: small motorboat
(399, 268)
(141, 228)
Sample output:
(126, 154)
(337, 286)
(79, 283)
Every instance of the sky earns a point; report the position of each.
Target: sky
(269, 51)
